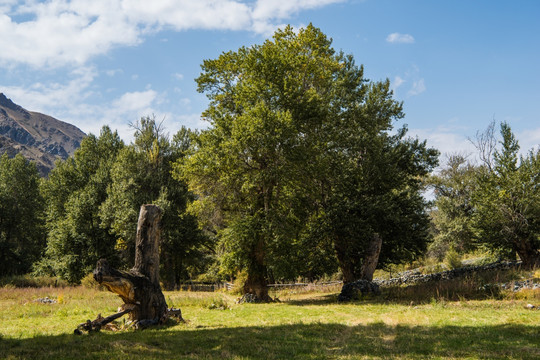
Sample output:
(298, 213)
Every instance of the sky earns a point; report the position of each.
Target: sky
(456, 65)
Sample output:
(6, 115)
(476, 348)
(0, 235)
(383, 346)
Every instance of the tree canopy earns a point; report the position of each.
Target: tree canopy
(299, 140)
(141, 175)
(74, 193)
(494, 204)
(507, 201)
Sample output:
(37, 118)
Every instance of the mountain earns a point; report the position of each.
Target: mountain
(38, 137)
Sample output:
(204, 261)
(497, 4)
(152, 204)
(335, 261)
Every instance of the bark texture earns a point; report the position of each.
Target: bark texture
(358, 263)
(255, 287)
(139, 288)
(371, 258)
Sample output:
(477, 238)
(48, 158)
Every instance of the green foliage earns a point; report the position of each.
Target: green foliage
(141, 175)
(453, 188)
(299, 154)
(380, 196)
(453, 259)
(31, 281)
(21, 215)
(507, 202)
(251, 166)
(90, 283)
(75, 190)
(495, 205)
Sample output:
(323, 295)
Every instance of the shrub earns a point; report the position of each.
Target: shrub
(453, 259)
(22, 281)
(89, 282)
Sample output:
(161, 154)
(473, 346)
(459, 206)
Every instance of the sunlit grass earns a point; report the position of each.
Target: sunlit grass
(307, 325)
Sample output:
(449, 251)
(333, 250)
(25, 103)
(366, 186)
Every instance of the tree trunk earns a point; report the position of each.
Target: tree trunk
(358, 279)
(139, 288)
(371, 258)
(527, 252)
(255, 287)
(345, 262)
(359, 264)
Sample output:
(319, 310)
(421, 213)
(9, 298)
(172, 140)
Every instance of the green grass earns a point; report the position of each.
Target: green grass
(302, 326)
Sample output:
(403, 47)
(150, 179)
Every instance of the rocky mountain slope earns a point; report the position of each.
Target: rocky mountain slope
(38, 137)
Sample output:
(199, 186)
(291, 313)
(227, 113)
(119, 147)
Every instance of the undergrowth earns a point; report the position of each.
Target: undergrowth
(28, 280)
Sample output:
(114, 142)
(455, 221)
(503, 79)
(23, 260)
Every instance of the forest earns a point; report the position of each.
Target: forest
(305, 171)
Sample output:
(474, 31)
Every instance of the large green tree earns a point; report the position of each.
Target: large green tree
(22, 237)
(74, 192)
(375, 212)
(507, 201)
(452, 215)
(295, 139)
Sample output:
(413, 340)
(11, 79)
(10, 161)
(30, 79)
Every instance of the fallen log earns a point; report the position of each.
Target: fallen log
(99, 322)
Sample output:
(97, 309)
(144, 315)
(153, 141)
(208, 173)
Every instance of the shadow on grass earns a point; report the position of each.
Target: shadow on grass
(470, 288)
(296, 341)
(314, 300)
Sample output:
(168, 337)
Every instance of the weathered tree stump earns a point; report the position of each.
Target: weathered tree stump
(139, 288)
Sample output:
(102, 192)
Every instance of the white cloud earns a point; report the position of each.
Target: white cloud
(187, 14)
(66, 32)
(448, 140)
(113, 72)
(71, 102)
(451, 140)
(267, 12)
(397, 38)
(46, 98)
(398, 81)
(528, 140)
(178, 76)
(62, 32)
(134, 101)
(417, 88)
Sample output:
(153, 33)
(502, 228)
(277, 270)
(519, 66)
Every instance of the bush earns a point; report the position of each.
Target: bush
(22, 281)
(453, 259)
(89, 283)
(238, 285)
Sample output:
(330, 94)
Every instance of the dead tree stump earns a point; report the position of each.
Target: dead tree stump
(139, 288)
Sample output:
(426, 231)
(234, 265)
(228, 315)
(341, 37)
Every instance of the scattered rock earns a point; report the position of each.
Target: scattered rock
(247, 299)
(516, 286)
(46, 300)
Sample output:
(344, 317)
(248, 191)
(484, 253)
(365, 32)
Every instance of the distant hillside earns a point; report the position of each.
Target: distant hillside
(38, 137)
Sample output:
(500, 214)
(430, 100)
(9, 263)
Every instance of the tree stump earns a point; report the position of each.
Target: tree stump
(139, 288)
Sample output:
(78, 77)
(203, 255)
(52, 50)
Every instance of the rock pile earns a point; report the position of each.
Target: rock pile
(46, 300)
(416, 277)
(520, 285)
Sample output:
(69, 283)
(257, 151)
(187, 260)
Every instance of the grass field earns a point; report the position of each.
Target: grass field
(301, 326)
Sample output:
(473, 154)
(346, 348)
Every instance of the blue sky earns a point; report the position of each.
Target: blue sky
(456, 64)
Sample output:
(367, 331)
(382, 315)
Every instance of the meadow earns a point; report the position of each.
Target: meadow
(302, 325)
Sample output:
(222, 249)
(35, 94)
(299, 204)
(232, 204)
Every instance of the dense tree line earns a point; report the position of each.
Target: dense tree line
(88, 207)
(21, 215)
(302, 172)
